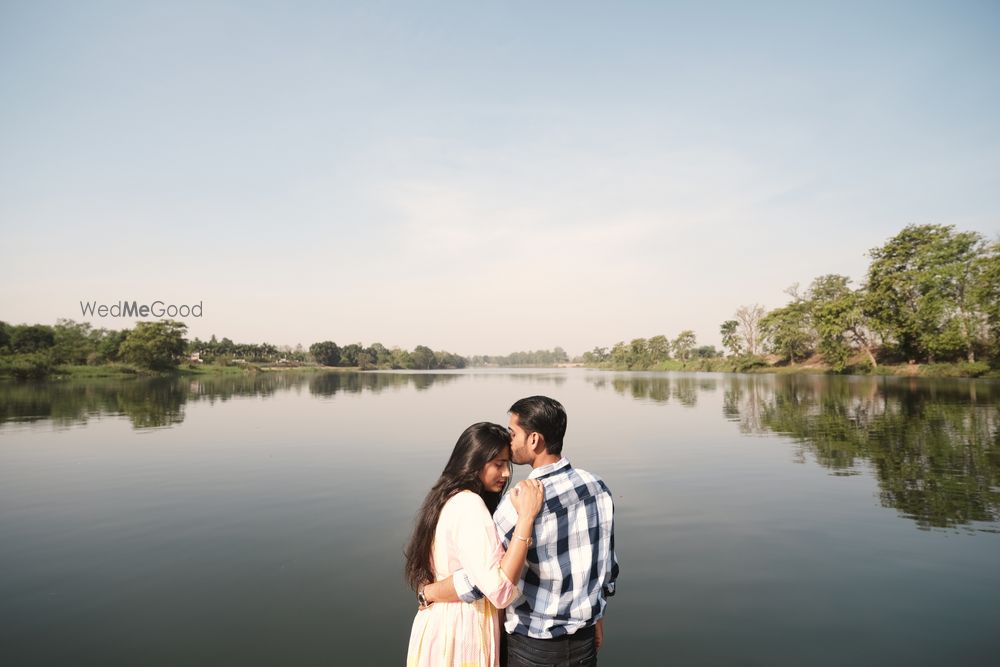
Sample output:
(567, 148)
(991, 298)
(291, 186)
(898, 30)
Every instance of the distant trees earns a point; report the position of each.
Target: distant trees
(839, 320)
(225, 351)
(789, 330)
(731, 338)
(987, 296)
(349, 354)
(556, 355)
(382, 356)
(26, 351)
(647, 353)
(683, 344)
(32, 351)
(448, 360)
(931, 294)
(33, 338)
(706, 352)
(377, 355)
(658, 347)
(155, 345)
(72, 342)
(423, 357)
(326, 353)
(748, 328)
(599, 355)
(928, 291)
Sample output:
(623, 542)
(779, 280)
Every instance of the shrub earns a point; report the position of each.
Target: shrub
(29, 366)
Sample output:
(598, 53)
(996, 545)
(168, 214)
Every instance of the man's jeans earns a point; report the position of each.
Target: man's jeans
(576, 650)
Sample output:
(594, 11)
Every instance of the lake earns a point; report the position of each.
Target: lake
(260, 520)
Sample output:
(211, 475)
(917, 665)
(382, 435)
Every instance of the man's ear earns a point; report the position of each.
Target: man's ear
(536, 440)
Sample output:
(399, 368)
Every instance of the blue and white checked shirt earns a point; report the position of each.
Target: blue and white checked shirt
(571, 567)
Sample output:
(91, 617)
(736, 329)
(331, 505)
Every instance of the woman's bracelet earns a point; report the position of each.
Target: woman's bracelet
(528, 541)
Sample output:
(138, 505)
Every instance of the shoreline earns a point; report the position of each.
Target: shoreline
(945, 370)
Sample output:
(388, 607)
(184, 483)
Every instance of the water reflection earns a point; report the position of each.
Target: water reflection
(159, 402)
(658, 388)
(933, 446)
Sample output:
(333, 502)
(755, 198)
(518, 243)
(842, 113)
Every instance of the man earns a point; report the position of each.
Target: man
(571, 564)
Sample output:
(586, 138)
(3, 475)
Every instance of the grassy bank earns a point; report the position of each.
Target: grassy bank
(125, 371)
(760, 365)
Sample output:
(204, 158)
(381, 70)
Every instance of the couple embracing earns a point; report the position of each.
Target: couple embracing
(541, 557)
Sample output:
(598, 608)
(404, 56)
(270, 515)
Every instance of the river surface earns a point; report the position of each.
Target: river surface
(260, 520)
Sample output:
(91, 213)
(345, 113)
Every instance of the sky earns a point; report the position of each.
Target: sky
(479, 177)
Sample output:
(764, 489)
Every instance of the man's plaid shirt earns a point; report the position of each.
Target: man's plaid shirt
(571, 567)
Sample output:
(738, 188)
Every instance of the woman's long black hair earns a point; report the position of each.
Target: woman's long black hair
(478, 445)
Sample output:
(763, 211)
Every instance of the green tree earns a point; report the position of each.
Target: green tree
(4, 337)
(423, 358)
(596, 356)
(444, 359)
(638, 353)
(659, 349)
(73, 342)
(155, 345)
(839, 320)
(349, 354)
(986, 295)
(382, 356)
(109, 344)
(366, 361)
(788, 329)
(33, 338)
(683, 344)
(921, 291)
(326, 353)
(401, 358)
(731, 338)
(619, 355)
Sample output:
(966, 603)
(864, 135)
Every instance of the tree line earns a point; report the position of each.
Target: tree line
(556, 355)
(328, 353)
(37, 350)
(931, 294)
(647, 353)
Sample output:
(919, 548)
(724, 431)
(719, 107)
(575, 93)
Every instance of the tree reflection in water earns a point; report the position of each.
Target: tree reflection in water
(159, 402)
(933, 445)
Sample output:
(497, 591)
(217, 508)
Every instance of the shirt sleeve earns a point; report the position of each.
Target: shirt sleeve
(505, 519)
(466, 590)
(479, 552)
(612, 574)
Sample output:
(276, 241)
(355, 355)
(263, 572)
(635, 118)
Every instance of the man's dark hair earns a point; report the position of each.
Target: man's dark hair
(543, 415)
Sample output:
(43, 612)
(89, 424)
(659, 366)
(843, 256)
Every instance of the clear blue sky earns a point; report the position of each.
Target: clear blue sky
(480, 177)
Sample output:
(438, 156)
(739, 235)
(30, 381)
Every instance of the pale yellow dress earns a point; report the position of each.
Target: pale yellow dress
(458, 634)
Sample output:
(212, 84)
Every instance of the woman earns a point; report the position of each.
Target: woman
(454, 531)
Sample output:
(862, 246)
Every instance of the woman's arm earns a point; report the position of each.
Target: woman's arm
(441, 591)
(527, 499)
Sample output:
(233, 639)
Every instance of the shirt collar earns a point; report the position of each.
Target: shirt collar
(548, 469)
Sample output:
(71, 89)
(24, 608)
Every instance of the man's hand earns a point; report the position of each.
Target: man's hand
(598, 634)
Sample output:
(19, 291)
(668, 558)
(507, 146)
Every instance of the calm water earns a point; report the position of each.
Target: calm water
(761, 520)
